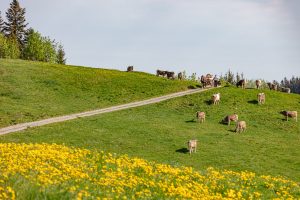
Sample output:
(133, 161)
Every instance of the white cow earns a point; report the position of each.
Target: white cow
(192, 146)
(216, 98)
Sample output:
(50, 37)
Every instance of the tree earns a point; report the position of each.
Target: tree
(1, 24)
(39, 48)
(15, 27)
(61, 55)
(9, 48)
(229, 77)
(193, 77)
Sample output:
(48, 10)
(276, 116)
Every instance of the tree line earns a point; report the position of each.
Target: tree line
(16, 41)
(293, 83)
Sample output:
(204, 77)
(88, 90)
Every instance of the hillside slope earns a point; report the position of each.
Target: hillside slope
(33, 90)
(270, 145)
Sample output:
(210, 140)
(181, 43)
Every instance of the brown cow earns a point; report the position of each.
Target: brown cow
(261, 98)
(287, 90)
(200, 116)
(192, 146)
(129, 68)
(292, 114)
(206, 80)
(161, 73)
(272, 86)
(230, 118)
(241, 83)
(241, 126)
(258, 84)
(170, 75)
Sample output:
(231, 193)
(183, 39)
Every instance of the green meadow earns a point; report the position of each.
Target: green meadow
(30, 91)
(159, 132)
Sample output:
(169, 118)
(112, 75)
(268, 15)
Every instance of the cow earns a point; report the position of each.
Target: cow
(230, 118)
(180, 76)
(161, 73)
(241, 83)
(192, 146)
(240, 127)
(200, 116)
(261, 98)
(216, 98)
(258, 83)
(129, 68)
(206, 80)
(216, 81)
(170, 75)
(272, 86)
(287, 90)
(292, 114)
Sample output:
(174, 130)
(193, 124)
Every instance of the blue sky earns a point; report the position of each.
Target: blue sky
(260, 38)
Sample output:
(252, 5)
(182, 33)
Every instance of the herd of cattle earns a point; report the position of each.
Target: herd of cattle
(240, 125)
(209, 80)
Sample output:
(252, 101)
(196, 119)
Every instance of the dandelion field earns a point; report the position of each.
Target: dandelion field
(31, 171)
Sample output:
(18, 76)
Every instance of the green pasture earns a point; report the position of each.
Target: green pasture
(30, 91)
(159, 132)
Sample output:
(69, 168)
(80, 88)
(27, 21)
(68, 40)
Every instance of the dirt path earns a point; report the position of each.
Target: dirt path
(23, 126)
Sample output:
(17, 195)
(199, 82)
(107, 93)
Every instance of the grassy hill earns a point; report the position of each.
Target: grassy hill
(33, 90)
(270, 145)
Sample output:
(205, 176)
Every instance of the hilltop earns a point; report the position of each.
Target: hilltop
(30, 91)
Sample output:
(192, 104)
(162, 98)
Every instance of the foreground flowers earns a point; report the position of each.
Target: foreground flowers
(57, 171)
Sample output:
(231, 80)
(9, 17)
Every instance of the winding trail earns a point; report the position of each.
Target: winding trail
(23, 126)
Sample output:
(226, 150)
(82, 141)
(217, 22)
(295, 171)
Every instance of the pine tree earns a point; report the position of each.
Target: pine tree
(1, 24)
(61, 55)
(15, 27)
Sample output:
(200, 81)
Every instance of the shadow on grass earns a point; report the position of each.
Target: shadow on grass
(224, 122)
(191, 121)
(191, 87)
(233, 131)
(253, 102)
(208, 102)
(182, 150)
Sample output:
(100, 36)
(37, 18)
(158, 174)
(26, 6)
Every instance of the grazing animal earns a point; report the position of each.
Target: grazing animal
(170, 75)
(200, 116)
(192, 146)
(287, 90)
(161, 73)
(261, 98)
(216, 81)
(241, 83)
(129, 68)
(241, 126)
(180, 76)
(258, 84)
(216, 98)
(272, 86)
(292, 114)
(230, 118)
(206, 80)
